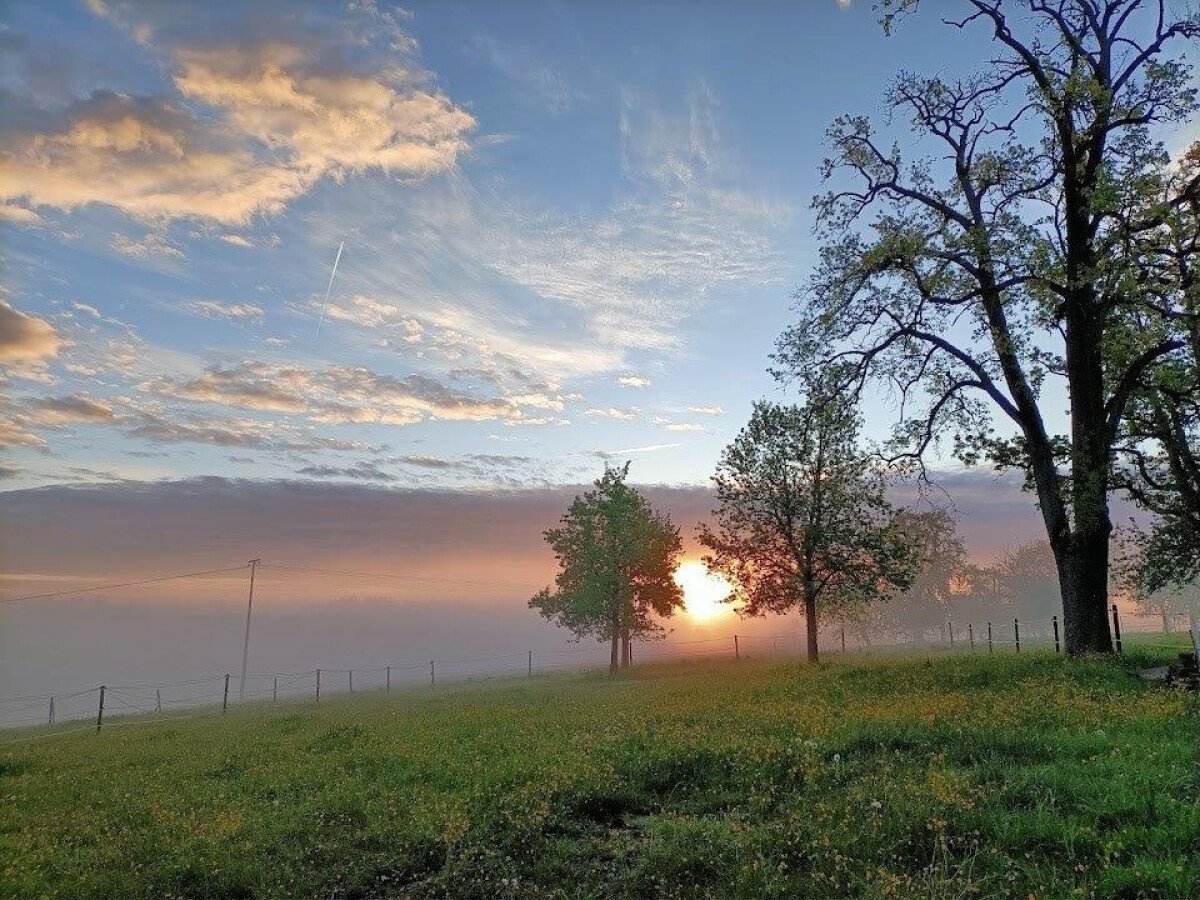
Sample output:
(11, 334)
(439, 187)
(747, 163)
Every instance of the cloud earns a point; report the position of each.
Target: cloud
(151, 246)
(237, 240)
(25, 338)
(19, 215)
(614, 412)
(632, 451)
(361, 471)
(634, 381)
(334, 395)
(56, 412)
(214, 309)
(533, 78)
(713, 410)
(254, 126)
(684, 426)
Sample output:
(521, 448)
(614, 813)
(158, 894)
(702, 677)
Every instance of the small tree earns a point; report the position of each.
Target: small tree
(941, 567)
(617, 557)
(802, 519)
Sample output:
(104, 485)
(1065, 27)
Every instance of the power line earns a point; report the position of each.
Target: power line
(105, 587)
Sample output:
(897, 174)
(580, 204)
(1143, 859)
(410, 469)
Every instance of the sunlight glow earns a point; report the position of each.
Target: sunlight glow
(703, 592)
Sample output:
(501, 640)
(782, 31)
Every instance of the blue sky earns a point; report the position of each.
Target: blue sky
(571, 231)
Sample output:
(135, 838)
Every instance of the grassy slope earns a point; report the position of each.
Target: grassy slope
(967, 776)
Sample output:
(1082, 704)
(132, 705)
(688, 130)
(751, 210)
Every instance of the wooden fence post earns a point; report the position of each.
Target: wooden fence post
(432, 674)
(100, 711)
(351, 673)
(971, 635)
(1116, 616)
(157, 700)
(225, 696)
(318, 685)
(51, 721)
(1054, 621)
(530, 669)
(950, 631)
(1017, 634)
(275, 689)
(737, 653)
(989, 624)
(388, 688)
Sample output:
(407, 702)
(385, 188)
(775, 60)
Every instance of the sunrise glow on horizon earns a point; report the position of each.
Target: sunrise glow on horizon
(703, 592)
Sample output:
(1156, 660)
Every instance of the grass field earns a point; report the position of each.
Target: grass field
(960, 776)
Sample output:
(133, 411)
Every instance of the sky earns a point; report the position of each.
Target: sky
(565, 234)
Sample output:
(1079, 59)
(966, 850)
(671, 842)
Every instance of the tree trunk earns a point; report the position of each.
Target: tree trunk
(1083, 567)
(810, 622)
(613, 658)
(625, 649)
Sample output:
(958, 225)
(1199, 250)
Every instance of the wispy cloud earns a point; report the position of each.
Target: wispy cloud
(214, 309)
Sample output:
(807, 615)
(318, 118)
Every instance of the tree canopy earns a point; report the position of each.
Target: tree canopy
(801, 519)
(617, 557)
(986, 280)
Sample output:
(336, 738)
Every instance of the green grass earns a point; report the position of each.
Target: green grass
(961, 776)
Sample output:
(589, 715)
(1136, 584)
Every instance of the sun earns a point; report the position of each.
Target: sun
(703, 592)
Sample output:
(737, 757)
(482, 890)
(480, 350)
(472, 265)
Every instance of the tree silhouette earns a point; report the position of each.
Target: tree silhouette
(617, 557)
(801, 517)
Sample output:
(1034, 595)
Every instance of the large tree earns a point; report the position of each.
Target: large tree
(986, 280)
(617, 557)
(802, 520)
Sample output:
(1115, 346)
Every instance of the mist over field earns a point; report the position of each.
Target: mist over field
(475, 558)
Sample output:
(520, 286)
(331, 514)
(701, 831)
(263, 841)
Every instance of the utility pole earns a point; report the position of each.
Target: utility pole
(246, 643)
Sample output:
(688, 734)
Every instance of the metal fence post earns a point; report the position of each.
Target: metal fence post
(1017, 634)
(100, 711)
(1116, 616)
(1054, 621)
(225, 696)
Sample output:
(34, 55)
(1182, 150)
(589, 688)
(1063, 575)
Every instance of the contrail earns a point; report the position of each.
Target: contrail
(329, 288)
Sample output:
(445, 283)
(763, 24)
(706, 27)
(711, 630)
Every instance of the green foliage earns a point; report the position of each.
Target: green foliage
(802, 519)
(1001, 776)
(617, 557)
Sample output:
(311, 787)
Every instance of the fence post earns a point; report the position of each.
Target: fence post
(100, 711)
(1017, 634)
(51, 721)
(530, 671)
(950, 631)
(275, 689)
(388, 688)
(1054, 621)
(971, 635)
(1192, 635)
(737, 653)
(351, 673)
(1117, 627)
(157, 700)
(225, 696)
(432, 674)
(989, 624)
(843, 638)
(318, 685)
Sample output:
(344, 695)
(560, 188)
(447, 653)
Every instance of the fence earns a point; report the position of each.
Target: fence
(119, 705)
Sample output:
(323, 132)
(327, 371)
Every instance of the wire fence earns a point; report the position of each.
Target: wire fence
(104, 706)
